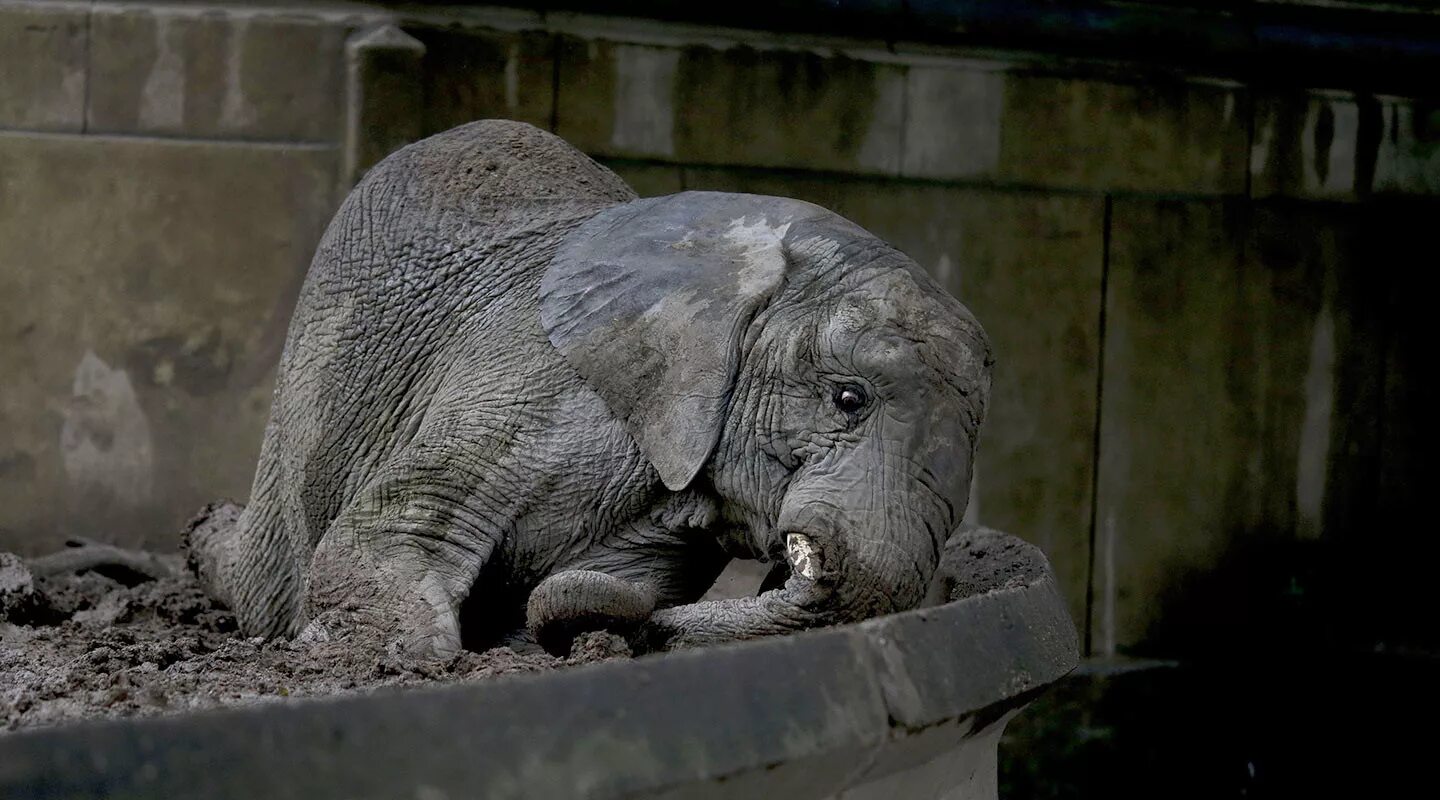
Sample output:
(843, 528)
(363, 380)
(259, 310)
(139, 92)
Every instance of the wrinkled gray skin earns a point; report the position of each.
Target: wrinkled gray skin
(505, 371)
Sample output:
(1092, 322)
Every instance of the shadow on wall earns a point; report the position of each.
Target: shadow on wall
(1253, 727)
(1295, 601)
(1346, 569)
(1273, 596)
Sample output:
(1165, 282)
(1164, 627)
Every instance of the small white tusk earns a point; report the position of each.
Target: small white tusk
(803, 555)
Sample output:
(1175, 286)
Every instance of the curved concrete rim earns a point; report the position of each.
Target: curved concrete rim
(855, 711)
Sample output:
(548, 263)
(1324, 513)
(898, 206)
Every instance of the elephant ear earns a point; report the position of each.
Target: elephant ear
(649, 300)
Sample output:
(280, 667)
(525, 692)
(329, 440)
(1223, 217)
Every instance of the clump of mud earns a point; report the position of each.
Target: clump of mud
(102, 642)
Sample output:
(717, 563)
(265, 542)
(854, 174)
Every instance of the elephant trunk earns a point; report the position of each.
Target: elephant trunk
(856, 547)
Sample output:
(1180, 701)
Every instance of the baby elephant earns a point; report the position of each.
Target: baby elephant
(506, 375)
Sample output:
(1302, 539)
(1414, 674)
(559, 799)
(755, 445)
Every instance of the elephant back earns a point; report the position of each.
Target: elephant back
(487, 174)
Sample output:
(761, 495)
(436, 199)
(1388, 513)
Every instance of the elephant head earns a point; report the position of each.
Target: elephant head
(809, 376)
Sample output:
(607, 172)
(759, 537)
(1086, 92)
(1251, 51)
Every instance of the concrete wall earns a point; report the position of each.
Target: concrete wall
(1208, 296)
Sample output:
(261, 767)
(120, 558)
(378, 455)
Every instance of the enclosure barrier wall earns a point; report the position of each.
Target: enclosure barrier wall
(910, 705)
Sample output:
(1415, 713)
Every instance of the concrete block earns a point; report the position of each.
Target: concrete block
(1343, 147)
(950, 717)
(1399, 555)
(473, 73)
(731, 106)
(953, 119)
(207, 71)
(648, 179)
(950, 760)
(142, 312)
(384, 101)
(42, 65)
(791, 109)
(1240, 410)
(922, 688)
(1159, 136)
(1029, 266)
(616, 100)
(1174, 351)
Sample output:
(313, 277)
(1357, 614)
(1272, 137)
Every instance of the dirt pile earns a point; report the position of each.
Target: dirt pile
(117, 642)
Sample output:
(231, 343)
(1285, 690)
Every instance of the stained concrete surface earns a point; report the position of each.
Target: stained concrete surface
(145, 289)
(1302, 724)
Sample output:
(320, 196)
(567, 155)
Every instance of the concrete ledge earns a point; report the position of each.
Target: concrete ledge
(42, 65)
(1331, 45)
(242, 71)
(910, 705)
(1344, 146)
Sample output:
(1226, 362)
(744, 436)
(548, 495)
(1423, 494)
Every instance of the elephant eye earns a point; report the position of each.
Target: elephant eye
(850, 398)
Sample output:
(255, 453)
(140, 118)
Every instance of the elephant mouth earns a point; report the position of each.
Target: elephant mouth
(804, 556)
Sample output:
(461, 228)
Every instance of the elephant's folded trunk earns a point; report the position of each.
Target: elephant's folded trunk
(716, 621)
(830, 582)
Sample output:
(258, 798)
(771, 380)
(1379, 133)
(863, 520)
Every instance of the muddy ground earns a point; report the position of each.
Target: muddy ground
(137, 636)
(116, 642)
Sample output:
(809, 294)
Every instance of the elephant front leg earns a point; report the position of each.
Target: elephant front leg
(577, 601)
(395, 573)
(617, 589)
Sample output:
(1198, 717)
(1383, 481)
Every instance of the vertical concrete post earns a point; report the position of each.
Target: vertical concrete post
(383, 97)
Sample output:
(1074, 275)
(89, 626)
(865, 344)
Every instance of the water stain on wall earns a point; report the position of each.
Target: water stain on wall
(199, 364)
(162, 101)
(1345, 146)
(644, 100)
(105, 440)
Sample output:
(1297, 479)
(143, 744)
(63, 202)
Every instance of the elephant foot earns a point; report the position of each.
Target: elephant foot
(570, 603)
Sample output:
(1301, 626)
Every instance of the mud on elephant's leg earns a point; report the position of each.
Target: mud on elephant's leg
(395, 572)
